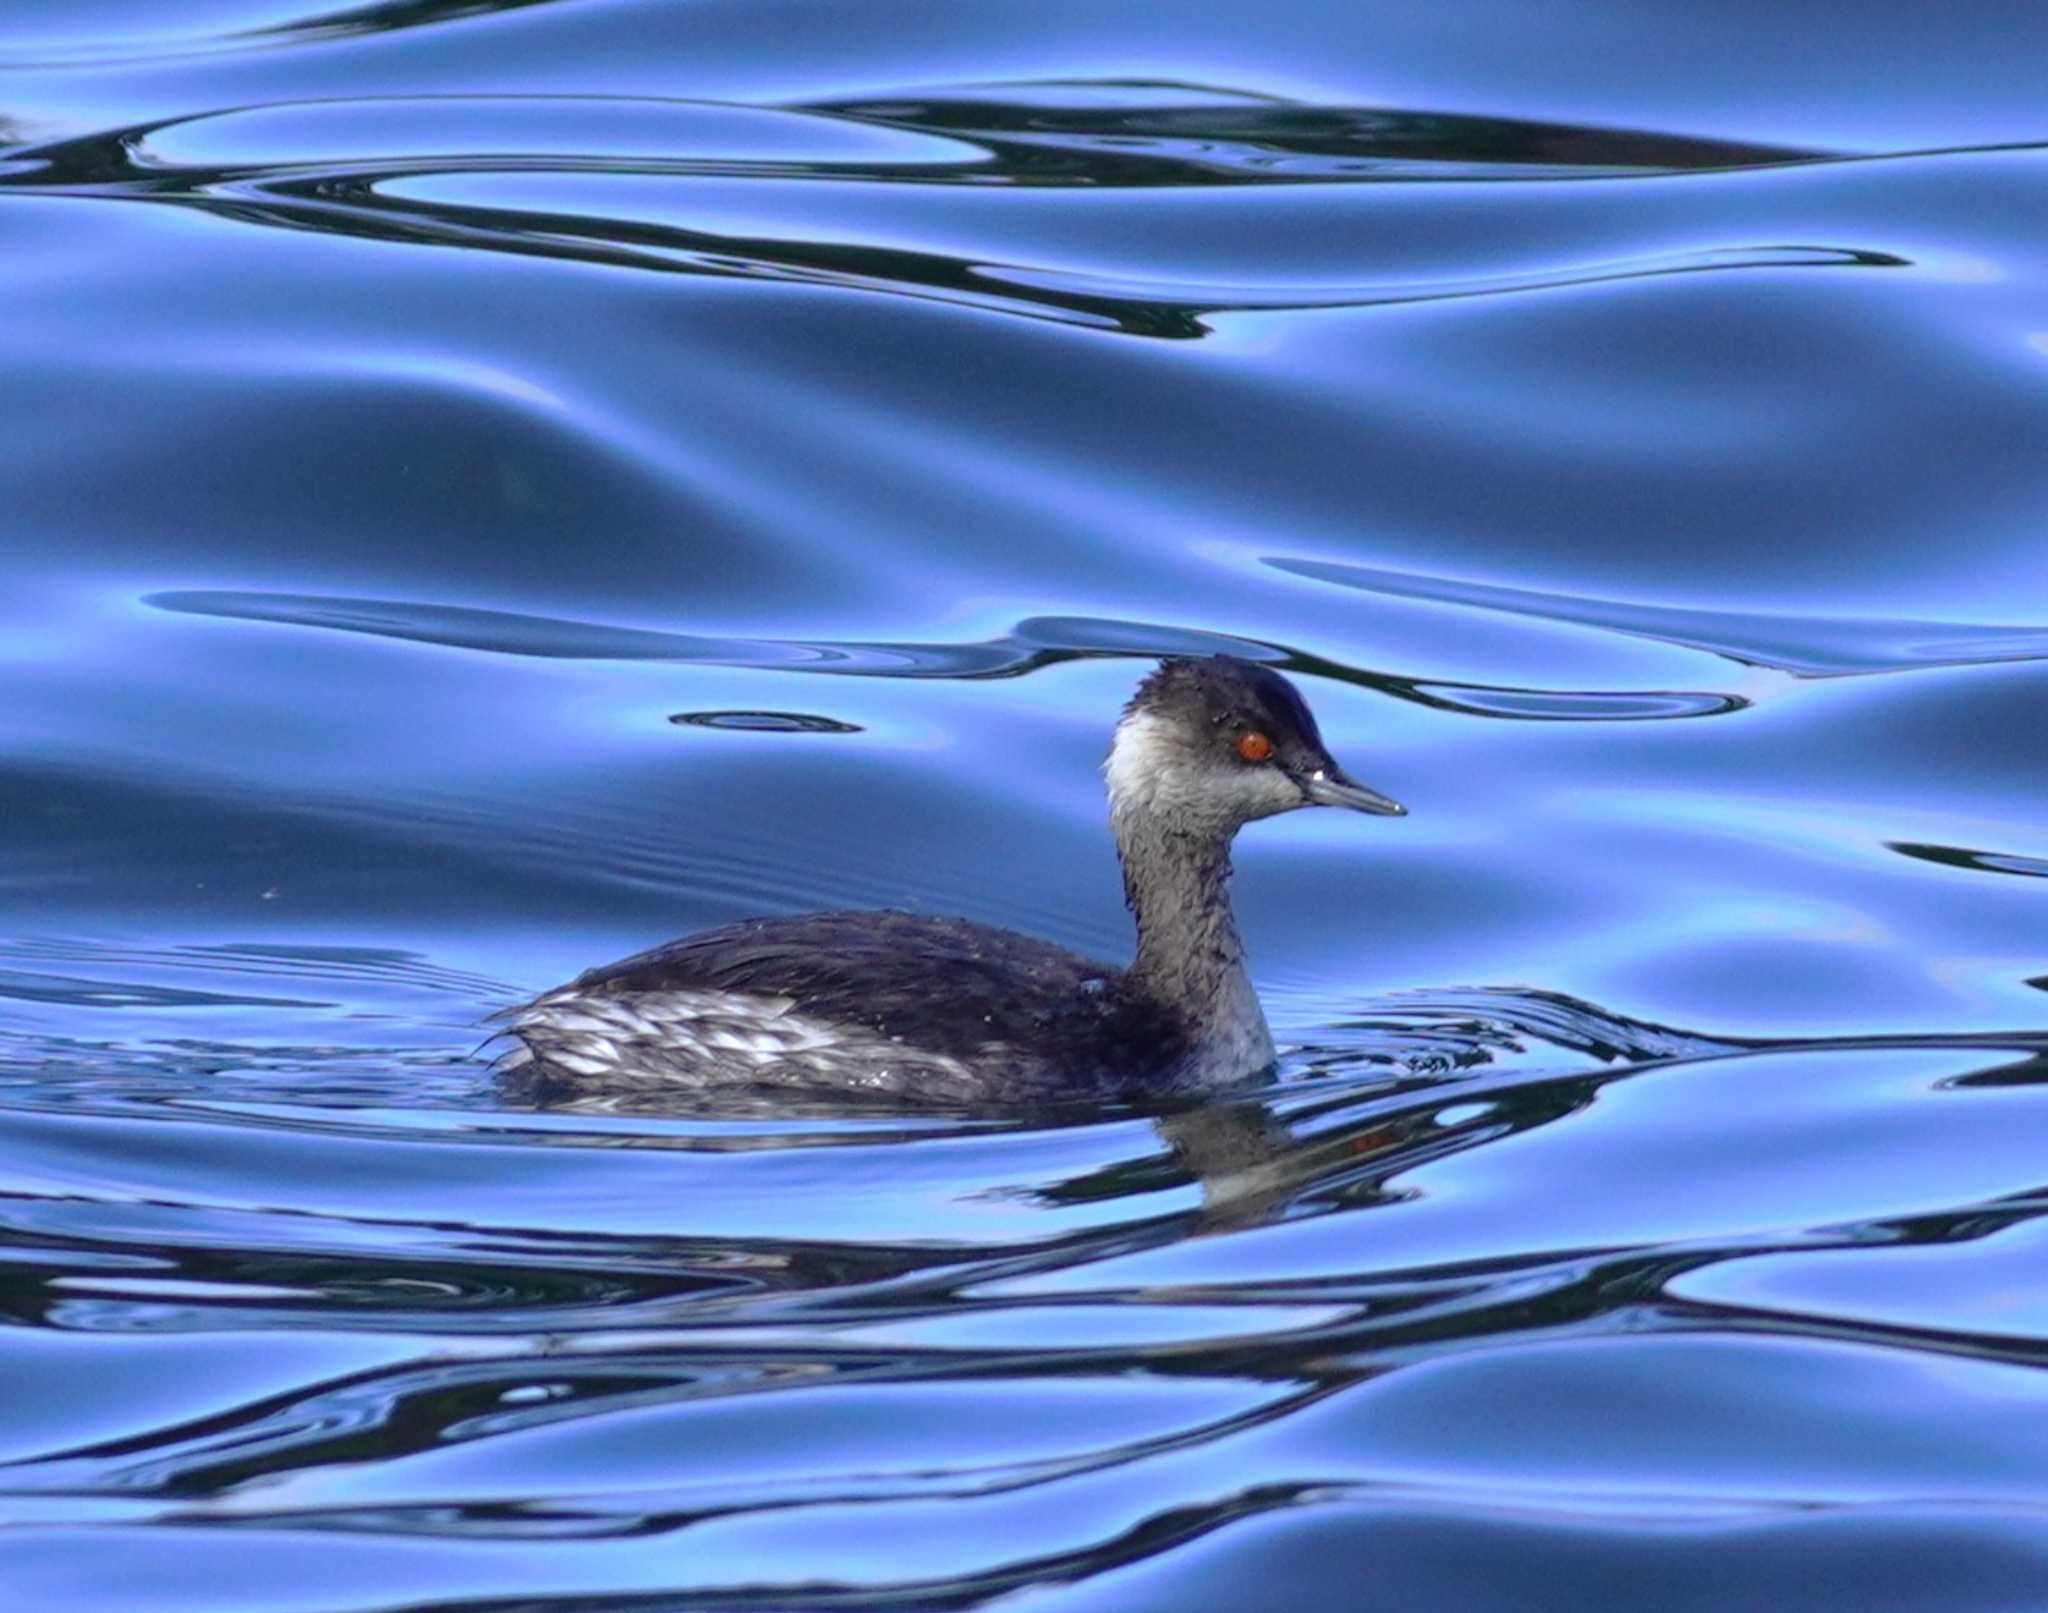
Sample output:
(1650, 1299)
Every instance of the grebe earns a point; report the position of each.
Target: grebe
(903, 1007)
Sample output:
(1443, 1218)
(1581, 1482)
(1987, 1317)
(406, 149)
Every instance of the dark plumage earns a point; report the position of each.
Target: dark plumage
(957, 987)
(909, 1007)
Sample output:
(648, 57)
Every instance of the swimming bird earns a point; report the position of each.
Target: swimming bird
(904, 1007)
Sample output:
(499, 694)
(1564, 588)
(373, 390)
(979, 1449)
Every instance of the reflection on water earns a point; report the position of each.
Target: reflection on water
(1319, 1291)
(1805, 647)
(493, 486)
(658, 190)
(1132, 133)
(1030, 645)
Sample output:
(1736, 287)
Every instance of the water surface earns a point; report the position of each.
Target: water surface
(489, 487)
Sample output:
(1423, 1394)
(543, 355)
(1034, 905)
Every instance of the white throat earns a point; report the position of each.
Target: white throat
(1140, 762)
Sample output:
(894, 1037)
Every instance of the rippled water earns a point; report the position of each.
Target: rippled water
(490, 486)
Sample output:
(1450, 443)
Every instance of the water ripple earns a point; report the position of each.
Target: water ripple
(1033, 644)
(610, 181)
(496, 402)
(765, 722)
(1983, 862)
(108, 47)
(1805, 646)
(1093, 134)
(1138, 133)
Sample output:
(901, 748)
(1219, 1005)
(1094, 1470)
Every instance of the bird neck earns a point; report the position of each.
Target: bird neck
(1176, 881)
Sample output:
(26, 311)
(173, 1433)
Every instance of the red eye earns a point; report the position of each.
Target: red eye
(1255, 747)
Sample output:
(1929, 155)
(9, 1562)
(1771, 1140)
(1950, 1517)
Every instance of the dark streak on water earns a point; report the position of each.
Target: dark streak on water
(457, 451)
(765, 722)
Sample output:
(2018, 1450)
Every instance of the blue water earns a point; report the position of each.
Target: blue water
(488, 487)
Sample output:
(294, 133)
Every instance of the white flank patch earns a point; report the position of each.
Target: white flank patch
(658, 1038)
